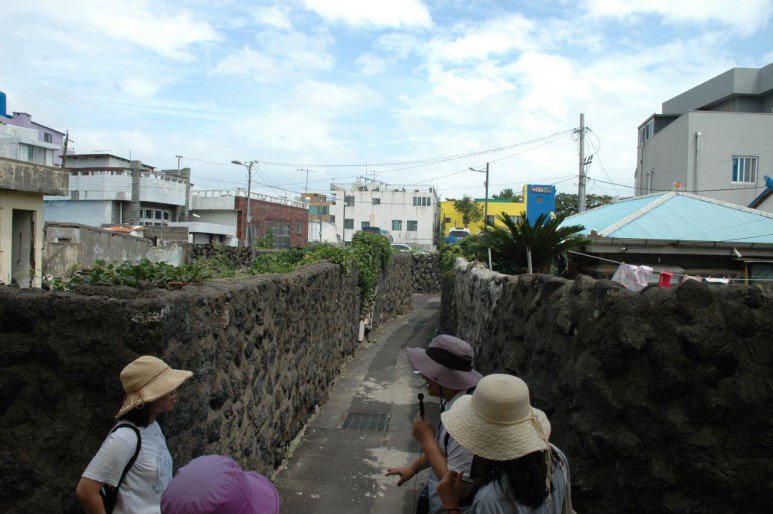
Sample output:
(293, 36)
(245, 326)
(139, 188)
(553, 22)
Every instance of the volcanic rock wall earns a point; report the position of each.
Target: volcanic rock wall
(427, 277)
(661, 399)
(263, 351)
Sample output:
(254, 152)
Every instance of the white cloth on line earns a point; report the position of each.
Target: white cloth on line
(633, 278)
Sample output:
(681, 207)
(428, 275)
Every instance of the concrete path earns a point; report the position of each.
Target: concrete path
(340, 471)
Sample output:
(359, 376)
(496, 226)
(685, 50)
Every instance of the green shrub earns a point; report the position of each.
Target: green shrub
(132, 274)
(277, 262)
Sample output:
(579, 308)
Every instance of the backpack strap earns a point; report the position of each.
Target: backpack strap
(136, 451)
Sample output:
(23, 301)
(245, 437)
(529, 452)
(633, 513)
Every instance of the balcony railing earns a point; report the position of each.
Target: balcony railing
(242, 193)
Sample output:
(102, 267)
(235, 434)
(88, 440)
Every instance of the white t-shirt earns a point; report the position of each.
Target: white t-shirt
(141, 489)
(458, 458)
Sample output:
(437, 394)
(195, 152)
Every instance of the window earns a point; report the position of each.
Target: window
(166, 215)
(489, 220)
(349, 223)
(447, 220)
(48, 138)
(348, 201)
(364, 224)
(397, 224)
(422, 201)
(744, 169)
(515, 219)
(413, 225)
(377, 201)
(158, 215)
(298, 228)
(332, 218)
(281, 233)
(539, 199)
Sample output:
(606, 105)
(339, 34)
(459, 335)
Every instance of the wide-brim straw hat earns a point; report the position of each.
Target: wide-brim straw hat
(146, 379)
(448, 361)
(497, 422)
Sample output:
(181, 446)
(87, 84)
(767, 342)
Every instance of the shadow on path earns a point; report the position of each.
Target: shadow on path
(340, 471)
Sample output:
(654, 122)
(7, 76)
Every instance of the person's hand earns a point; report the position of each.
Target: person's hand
(422, 429)
(405, 473)
(450, 489)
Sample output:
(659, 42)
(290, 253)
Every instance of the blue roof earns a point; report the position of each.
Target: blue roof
(676, 216)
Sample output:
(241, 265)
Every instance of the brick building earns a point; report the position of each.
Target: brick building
(287, 219)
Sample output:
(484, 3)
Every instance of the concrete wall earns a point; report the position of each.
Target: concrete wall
(71, 245)
(32, 178)
(671, 153)
(660, 399)
(264, 352)
(93, 212)
(9, 238)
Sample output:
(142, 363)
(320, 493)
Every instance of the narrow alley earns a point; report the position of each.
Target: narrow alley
(339, 465)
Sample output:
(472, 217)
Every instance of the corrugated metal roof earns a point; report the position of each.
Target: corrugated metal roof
(677, 217)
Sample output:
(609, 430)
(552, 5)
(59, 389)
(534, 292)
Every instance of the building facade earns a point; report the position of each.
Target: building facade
(22, 186)
(287, 219)
(110, 190)
(44, 134)
(713, 140)
(538, 200)
(23, 144)
(409, 213)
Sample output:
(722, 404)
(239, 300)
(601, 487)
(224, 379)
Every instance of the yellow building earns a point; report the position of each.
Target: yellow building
(450, 218)
(22, 186)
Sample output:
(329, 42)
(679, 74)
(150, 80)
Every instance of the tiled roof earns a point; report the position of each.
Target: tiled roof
(677, 216)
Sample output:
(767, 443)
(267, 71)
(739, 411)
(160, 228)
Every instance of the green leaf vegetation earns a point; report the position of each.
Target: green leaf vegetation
(470, 211)
(370, 253)
(548, 241)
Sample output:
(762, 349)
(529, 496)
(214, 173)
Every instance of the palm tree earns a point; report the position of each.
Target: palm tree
(546, 239)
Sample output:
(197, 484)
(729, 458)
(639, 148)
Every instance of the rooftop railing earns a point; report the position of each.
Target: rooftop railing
(242, 193)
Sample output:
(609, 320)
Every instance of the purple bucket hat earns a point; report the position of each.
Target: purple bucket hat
(448, 361)
(216, 484)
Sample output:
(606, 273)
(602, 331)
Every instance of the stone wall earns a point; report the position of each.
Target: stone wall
(264, 352)
(661, 399)
(427, 277)
(238, 256)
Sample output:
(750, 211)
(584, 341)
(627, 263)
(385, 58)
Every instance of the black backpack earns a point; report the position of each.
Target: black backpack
(109, 493)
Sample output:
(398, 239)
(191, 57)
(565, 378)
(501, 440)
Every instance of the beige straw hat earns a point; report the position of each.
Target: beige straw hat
(497, 422)
(148, 378)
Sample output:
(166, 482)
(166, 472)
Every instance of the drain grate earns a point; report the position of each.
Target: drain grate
(372, 422)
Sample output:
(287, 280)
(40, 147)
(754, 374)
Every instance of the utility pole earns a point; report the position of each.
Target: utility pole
(581, 186)
(485, 208)
(66, 144)
(306, 189)
(179, 158)
(248, 234)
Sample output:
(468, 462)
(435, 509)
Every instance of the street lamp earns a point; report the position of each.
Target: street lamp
(249, 194)
(485, 219)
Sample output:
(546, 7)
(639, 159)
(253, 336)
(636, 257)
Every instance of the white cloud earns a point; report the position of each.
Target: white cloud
(280, 56)
(379, 13)
(497, 36)
(746, 16)
(275, 16)
(139, 87)
(370, 64)
(334, 99)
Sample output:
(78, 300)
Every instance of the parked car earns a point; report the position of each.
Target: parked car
(400, 247)
(379, 231)
(457, 234)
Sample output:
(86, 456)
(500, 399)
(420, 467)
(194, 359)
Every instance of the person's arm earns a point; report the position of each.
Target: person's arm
(407, 472)
(425, 434)
(88, 495)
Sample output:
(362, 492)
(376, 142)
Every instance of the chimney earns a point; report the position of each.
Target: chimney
(186, 173)
(135, 212)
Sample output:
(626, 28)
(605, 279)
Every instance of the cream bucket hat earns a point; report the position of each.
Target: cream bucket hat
(497, 422)
(148, 378)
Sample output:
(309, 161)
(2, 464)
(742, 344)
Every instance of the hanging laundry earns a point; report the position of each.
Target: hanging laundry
(665, 279)
(697, 278)
(633, 278)
(717, 280)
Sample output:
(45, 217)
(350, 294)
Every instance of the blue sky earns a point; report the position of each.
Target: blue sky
(321, 82)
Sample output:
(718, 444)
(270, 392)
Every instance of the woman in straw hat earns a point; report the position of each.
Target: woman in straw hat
(134, 459)
(516, 469)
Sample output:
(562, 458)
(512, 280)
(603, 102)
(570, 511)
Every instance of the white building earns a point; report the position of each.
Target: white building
(715, 139)
(409, 213)
(23, 144)
(110, 190)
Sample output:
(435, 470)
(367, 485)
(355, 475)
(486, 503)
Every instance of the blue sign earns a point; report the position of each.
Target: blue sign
(539, 200)
(2, 106)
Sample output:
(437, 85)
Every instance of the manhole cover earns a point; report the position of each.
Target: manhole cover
(372, 422)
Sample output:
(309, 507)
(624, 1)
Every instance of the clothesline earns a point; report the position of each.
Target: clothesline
(673, 272)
